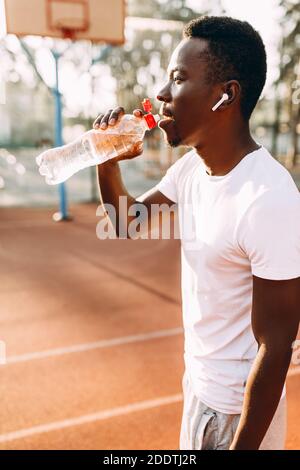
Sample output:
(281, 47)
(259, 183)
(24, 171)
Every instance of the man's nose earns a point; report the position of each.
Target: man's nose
(164, 94)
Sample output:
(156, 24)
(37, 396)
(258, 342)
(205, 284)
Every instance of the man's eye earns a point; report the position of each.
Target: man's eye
(177, 79)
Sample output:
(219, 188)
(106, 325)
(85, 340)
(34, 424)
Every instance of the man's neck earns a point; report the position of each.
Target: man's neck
(222, 154)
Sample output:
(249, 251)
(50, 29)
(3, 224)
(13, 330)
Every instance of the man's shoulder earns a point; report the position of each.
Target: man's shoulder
(266, 190)
(266, 181)
(273, 189)
(271, 174)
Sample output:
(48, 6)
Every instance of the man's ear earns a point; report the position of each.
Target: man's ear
(230, 92)
(233, 90)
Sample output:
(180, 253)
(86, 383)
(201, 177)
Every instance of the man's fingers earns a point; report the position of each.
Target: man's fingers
(112, 116)
(97, 121)
(138, 148)
(138, 113)
(105, 119)
(115, 115)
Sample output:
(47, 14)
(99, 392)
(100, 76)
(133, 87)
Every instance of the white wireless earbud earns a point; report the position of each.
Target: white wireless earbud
(224, 98)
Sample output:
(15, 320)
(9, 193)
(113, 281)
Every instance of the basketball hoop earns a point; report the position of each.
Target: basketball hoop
(68, 16)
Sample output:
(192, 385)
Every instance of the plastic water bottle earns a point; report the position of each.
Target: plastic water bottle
(95, 146)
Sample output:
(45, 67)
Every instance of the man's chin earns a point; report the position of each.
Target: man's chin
(170, 132)
(172, 141)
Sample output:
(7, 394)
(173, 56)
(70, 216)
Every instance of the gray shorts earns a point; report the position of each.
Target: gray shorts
(203, 428)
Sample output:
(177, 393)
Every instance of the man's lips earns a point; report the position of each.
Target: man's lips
(165, 111)
(167, 117)
(165, 122)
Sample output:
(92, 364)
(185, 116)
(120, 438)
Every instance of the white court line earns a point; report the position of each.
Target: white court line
(90, 418)
(106, 343)
(294, 371)
(101, 415)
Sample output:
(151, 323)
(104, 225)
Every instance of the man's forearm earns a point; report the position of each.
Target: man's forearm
(262, 395)
(110, 183)
(111, 188)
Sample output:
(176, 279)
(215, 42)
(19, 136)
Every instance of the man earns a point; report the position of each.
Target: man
(241, 248)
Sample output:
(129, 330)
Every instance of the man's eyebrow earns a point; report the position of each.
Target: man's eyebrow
(176, 69)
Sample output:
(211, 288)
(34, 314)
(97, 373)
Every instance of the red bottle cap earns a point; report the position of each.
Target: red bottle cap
(147, 106)
(149, 118)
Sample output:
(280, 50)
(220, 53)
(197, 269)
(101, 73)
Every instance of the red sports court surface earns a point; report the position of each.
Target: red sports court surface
(94, 338)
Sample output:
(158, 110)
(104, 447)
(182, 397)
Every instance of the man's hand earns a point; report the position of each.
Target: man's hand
(111, 186)
(110, 119)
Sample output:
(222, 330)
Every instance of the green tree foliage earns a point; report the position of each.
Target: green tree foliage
(287, 105)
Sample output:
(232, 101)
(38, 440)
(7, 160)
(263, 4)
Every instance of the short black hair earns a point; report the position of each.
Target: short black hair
(236, 52)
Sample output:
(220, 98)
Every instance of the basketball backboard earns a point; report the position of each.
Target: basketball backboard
(94, 20)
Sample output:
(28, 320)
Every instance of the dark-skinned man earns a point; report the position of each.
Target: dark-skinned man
(241, 248)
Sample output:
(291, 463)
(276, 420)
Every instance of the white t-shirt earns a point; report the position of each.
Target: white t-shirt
(245, 222)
